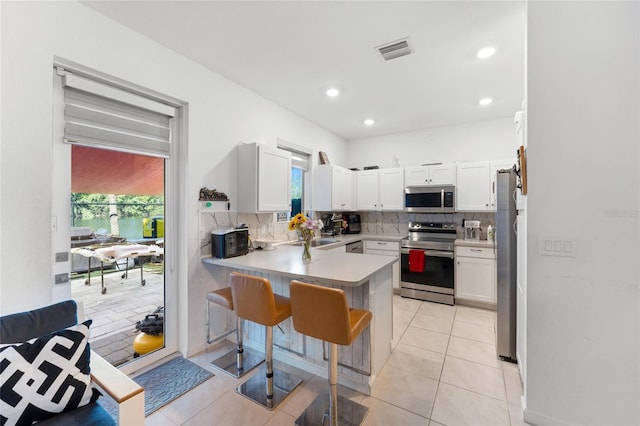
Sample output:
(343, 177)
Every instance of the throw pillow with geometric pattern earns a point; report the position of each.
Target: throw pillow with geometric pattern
(45, 376)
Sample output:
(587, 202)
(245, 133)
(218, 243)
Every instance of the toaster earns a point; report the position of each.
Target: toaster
(229, 242)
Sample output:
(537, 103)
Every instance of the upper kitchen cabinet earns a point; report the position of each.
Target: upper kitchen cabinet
(367, 190)
(436, 174)
(264, 178)
(333, 188)
(380, 189)
(475, 189)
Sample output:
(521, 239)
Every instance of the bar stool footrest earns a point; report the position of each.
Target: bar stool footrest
(349, 412)
(255, 387)
(227, 362)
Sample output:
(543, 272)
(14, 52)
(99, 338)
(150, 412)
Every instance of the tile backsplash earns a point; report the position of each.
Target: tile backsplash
(261, 225)
(397, 222)
(264, 225)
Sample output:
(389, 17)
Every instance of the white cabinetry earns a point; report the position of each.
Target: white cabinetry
(380, 189)
(476, 186)
(264, 178)
(367, 190)
(332, 188)
(438, 174)
(475, 274)
(386, 248)
(473, 191)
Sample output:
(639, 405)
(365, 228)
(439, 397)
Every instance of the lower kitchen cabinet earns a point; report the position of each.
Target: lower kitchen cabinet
(386, 248)
(475, 275)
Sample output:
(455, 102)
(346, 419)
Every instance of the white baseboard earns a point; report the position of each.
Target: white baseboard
(534, 418)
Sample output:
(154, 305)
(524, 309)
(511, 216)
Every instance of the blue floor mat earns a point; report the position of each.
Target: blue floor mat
(164, 383)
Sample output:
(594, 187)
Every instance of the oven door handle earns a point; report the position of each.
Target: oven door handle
(430, 253)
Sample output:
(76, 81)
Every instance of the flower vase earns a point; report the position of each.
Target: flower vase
(306, 253)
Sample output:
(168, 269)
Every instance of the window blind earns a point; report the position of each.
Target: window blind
(108, 117)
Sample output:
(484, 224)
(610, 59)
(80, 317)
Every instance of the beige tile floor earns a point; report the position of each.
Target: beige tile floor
(443, 371)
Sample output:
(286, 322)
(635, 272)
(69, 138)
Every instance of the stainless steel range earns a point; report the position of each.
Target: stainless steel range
(426, 262)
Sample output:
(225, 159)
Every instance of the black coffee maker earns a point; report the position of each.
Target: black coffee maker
(351, 223)
(332, 224)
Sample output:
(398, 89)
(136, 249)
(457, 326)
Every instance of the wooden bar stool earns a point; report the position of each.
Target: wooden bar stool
(254, 300)
(239, 361)
(324, 313)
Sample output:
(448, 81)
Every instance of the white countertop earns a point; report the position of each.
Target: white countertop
(481, 243)
(328, 263)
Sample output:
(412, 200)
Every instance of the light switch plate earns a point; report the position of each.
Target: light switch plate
(557, 246)
(61, 278)
(62, 256)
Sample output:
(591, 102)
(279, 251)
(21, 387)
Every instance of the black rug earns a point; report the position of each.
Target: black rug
(163, 384)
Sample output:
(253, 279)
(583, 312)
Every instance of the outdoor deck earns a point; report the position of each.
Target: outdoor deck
(116, 312)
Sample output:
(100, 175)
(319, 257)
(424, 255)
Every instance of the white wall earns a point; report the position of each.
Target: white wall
(221, 114)
(584, 184)
(479, 141)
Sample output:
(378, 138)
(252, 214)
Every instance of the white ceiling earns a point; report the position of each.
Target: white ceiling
(291, 52)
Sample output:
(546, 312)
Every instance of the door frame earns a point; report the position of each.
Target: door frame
(175, 270)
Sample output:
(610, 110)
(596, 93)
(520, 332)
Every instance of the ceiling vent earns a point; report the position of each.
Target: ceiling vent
(395, 49)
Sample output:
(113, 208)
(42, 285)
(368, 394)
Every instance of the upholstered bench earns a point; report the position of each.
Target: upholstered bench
(60, 339)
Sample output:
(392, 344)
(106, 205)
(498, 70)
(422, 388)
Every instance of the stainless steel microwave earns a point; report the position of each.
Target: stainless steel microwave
(430, 199)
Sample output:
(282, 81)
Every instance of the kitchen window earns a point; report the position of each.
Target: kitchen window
(300, 161)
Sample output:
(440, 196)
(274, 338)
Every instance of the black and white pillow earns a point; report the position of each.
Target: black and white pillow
(45, 376)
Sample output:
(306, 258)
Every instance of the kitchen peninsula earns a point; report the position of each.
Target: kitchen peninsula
(367, 281)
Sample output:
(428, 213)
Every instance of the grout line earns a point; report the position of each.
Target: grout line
(435, 396)
(475, 362)
(397, 406)
(506, 395)
(478, 393)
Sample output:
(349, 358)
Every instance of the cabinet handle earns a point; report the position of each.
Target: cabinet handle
(476, 249)
(458, 262)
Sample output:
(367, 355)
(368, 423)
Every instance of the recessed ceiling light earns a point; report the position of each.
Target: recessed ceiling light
(485, 101)
(486, 52)
(332, 92)
(369, 122)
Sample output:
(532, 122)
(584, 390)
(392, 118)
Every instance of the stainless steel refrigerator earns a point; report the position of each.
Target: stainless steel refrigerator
(505, 235)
